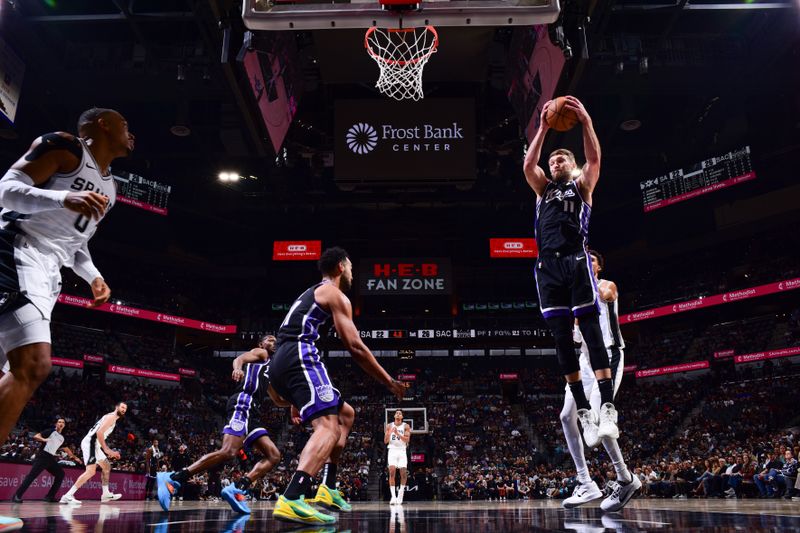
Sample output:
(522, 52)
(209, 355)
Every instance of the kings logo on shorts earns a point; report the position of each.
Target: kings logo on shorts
(237, 425)
(325, 393)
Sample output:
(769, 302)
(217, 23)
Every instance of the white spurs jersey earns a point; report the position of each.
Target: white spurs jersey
(395, 442)
(609, 323)
(60, 231)
(92, 435)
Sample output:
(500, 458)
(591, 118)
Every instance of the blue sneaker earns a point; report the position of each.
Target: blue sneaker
(236, 525)
(236, 498)
(166, 488)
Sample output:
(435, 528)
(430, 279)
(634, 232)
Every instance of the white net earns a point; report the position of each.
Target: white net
(401, 55)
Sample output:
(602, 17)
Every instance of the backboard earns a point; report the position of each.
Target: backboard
(278, 15)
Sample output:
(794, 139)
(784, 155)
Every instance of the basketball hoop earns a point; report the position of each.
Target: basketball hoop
(401, 54)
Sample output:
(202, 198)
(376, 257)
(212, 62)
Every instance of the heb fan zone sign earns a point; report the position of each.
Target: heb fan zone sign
(411, 276)
(513, 248)
(296, 250)
(383, 139)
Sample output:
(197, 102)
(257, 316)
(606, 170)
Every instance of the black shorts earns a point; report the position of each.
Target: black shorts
(566, 284)
(298, 375)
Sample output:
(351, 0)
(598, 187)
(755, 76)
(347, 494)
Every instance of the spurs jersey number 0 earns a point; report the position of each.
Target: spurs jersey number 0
(60, 231)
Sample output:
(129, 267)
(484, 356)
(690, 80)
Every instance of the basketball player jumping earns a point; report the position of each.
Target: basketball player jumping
(252, 371)
(563, 271)
(97, 452)
(52, 200)
(626, 485)
(299, 375)
(396, 438)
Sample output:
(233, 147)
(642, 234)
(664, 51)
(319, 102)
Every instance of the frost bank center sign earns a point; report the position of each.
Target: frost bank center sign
(388, 139)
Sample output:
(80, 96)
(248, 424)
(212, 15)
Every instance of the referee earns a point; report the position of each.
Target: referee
(46, 459)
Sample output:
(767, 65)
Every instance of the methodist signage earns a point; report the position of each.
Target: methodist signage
(405, 276)
(385, 139)
(672, 369)
(710, 301)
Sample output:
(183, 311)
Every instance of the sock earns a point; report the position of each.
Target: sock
(180, 476)
(612, 448)
(606, 387)
(71, 491)
(298, 486)
(569, 423)
(393, 490)
(400, 493)
(105, 490)
(243, 483)
(329, 475)
(576, 388)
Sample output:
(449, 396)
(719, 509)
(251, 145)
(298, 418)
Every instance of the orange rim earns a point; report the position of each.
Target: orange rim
(378, 57)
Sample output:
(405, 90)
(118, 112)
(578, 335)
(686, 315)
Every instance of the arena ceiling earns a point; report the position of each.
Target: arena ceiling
(701, 77)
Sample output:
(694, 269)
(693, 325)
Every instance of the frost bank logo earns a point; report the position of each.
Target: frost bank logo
(361, 138)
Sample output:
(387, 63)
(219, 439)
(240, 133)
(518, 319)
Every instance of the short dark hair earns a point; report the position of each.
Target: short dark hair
(330, 259)
(600, 260)
(396, 410)
(264, 338)
(562, 151)
(90, 116)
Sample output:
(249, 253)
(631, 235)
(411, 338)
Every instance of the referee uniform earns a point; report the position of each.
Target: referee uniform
(45, 460)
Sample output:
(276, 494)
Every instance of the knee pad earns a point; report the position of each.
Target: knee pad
(561, 328)
(593, 336)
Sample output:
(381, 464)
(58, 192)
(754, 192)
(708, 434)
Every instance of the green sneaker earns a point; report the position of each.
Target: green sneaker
(299, 511)
(331, 499)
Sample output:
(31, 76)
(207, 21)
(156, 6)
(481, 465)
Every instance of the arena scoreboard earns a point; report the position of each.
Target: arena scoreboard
(143, 193)
(701, 178)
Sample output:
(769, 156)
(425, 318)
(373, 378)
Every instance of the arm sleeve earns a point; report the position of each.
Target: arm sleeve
(18, 193)
(84, 266)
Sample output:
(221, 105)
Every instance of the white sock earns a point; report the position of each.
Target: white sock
(612, 448)
(574, 442)
(71, 491)
(400, 494)
(105, 490)
(394, 494)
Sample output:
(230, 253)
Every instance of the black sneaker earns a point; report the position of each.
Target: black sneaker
(16, 499)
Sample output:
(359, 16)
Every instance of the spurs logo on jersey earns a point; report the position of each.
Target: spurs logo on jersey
(60, 231)
(395, 440)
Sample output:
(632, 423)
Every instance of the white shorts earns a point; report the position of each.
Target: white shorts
(92, 451)
(26, 272)
(397, 458)
(18, 328)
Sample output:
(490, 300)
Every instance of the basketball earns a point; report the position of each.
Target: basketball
(559, 117)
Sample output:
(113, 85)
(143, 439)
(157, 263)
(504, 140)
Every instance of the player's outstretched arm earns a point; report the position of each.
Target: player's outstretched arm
(534, 174)
(591, 147)
(342, 312)
(253, 356)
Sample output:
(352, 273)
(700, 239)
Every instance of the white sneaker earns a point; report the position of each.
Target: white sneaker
(621, 493)
(393, 501)
(66, 498)
(583, 493)
(588, 419)
(110, 497)
(608, 422)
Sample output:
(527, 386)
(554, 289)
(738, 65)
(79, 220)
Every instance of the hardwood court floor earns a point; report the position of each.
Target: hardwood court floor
(419, 517)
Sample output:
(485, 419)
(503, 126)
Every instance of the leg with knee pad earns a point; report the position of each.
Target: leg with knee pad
(561, 328)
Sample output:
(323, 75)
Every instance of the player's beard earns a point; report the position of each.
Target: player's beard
(562, 175)
(345, 284)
